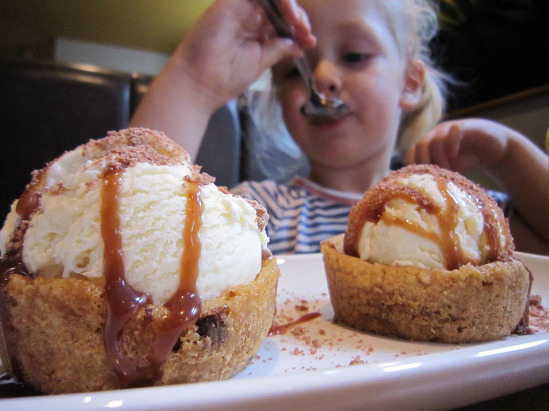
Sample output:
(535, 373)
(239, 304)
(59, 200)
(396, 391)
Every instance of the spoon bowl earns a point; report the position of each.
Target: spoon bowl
(318, 108)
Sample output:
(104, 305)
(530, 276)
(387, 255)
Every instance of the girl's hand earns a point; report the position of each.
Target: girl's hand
(233, 44)
(461, 145)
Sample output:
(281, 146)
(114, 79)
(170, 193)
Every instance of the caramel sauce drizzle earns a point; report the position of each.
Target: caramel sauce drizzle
(30, 199)
(447, 218)
(124, 302)
(185, 305)
(283, 328)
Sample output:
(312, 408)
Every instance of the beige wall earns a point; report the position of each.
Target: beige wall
(152, 25)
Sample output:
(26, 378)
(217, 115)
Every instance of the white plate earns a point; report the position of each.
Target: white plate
(310, 368)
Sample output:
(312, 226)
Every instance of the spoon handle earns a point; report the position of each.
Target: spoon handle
(283, 29)
(274, 14)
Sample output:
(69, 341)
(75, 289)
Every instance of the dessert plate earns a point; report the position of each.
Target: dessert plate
(316, 364)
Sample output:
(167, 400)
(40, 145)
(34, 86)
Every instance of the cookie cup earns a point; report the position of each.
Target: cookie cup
(470, 304)
(56, 337)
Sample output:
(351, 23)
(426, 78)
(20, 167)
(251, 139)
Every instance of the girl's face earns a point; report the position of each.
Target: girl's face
(357, 60)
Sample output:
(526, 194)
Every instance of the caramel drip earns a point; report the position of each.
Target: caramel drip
(185, 305)
(492, 237)
(447, 219)
(30, 199)
(124, 302)
(282, 329)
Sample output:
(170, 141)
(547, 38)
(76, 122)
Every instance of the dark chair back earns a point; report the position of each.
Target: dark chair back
(49, 108)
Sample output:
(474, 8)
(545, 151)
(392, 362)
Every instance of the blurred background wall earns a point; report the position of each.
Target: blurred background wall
(128, 35)
(494, 47)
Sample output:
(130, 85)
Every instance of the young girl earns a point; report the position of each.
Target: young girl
(373, 55)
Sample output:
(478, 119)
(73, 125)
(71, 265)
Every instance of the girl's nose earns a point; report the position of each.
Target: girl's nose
(326, 78)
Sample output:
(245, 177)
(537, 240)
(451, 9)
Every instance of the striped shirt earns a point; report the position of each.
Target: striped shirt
(303, 213)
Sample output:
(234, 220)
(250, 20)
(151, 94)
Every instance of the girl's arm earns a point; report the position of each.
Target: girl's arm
(511, 159)
(230, 46)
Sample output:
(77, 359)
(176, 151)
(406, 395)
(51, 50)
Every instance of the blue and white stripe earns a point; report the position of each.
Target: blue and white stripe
(302, 214)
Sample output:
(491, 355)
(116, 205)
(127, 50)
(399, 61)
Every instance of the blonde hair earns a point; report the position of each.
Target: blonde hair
(413, 24)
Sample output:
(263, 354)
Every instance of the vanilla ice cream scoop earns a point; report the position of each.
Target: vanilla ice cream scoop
(428, 217)
(64, 237)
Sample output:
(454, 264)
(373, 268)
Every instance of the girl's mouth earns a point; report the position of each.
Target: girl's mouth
(328, 123)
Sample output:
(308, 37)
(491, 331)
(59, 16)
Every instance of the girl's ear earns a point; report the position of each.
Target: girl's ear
(414, 81)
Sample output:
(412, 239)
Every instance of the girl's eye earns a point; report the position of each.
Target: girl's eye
(355, 57)
(285, 72)
(291, 73)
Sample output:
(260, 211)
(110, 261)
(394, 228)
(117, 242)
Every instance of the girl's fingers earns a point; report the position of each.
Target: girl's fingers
(419, 151)
(453, 141)
(299, 20)
(423, 153)
(411, 155)
(445, 145)
(437, 152)
(303, 32)
(275, 49)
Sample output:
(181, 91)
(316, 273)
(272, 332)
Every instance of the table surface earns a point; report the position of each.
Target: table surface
(536, 398)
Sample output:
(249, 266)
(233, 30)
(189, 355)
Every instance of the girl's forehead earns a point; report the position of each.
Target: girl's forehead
(333, 6)
(334, 17)
(325, 14)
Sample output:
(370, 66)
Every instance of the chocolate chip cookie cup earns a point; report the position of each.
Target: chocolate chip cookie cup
(469, 304)
(58, 326)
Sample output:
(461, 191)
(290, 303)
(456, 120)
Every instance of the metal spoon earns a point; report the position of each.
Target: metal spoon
(318, 108)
